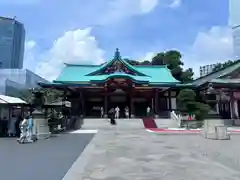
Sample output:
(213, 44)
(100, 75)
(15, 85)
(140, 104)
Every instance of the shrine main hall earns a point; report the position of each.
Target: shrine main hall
(118, 83)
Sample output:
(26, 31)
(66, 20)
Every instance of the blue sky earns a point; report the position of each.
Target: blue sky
(140, 28)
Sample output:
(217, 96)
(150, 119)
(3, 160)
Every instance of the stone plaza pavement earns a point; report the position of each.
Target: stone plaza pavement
(128, 152)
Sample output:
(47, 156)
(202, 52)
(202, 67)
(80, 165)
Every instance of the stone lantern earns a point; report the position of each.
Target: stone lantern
(40, 121)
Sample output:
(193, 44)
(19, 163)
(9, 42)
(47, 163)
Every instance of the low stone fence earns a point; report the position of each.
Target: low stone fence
(192, 124)
(213, 129)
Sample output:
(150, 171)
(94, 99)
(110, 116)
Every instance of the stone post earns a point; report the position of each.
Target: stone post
(40, 125)
(215, 129)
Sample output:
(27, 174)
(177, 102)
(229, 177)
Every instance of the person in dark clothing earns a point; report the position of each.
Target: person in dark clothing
(112, 116)
(17, 126)
(5, 126)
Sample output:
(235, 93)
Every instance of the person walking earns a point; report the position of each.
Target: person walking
(30, 128)
(148, 111)
(17, 126)
(112, 116)
(127, 112)
(101, 109)
(11, 126)
(23, 127)
(117, 112)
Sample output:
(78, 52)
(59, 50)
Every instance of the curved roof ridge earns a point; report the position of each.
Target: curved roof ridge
(152, 66)
(117, 57)
(86, 65)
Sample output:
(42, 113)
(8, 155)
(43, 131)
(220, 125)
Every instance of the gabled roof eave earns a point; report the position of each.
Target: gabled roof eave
(214, 75)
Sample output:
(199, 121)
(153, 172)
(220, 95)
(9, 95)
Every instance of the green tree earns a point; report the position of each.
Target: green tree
(173, 61)
(49, 95)
(159, 59)
(185, 99)
(187, 75)
(187, 104)
(146, 62)
(132, 62)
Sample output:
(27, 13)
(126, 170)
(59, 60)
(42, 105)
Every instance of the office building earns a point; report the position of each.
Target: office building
(204, 70)
(12, 39)
(234, 23)
(13, 81)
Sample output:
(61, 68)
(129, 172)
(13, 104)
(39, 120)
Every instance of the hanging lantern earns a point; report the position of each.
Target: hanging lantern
(224, 96)
(210, 89)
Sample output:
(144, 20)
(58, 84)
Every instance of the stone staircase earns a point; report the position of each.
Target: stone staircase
(163, 122)
(172, 122)
(97, 123)
(135, 123)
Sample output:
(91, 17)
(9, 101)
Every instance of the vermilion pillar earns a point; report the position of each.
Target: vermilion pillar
(132, 101)
(156, 102)
(169, 101)
(105, 101)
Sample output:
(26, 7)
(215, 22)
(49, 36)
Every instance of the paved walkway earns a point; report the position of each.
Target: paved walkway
(46, 159)
(127, 153)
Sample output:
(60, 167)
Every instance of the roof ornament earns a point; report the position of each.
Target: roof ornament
(117, 54)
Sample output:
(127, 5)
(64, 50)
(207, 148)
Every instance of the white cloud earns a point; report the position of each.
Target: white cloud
(147, 56)
(121, 9)
(30, 54)
(30, 45)
(147, 6)
(77, 46)
(175, 4)
(211, 46)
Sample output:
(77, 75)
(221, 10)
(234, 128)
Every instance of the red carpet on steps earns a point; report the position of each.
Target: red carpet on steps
(149, 123)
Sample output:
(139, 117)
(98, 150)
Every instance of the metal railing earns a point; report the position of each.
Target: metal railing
(176, 117)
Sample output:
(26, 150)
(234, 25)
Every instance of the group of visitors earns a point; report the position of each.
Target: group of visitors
(26, 127)
(116, 112)
(16, 126)
(10, 127)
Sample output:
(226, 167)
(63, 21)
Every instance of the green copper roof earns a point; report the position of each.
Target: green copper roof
(92, 73)
(76, 72)
(216, 76)
(226, 81)
(118, 58)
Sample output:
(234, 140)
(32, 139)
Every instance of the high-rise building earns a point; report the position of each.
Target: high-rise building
(12, 38)
(234, 23)
(13, 81)
(205, 70)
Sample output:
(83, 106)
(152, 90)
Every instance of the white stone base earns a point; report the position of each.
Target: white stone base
(43, 135)
(217, 132)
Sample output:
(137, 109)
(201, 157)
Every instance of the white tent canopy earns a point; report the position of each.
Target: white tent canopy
(11, 100)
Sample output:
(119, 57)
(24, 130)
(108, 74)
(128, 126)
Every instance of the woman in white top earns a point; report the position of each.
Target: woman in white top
(117, 112)
(148, 111)
(23, 127)
(126, 112)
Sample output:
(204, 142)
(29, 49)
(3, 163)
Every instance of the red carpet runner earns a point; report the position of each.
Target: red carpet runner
(149, 123)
